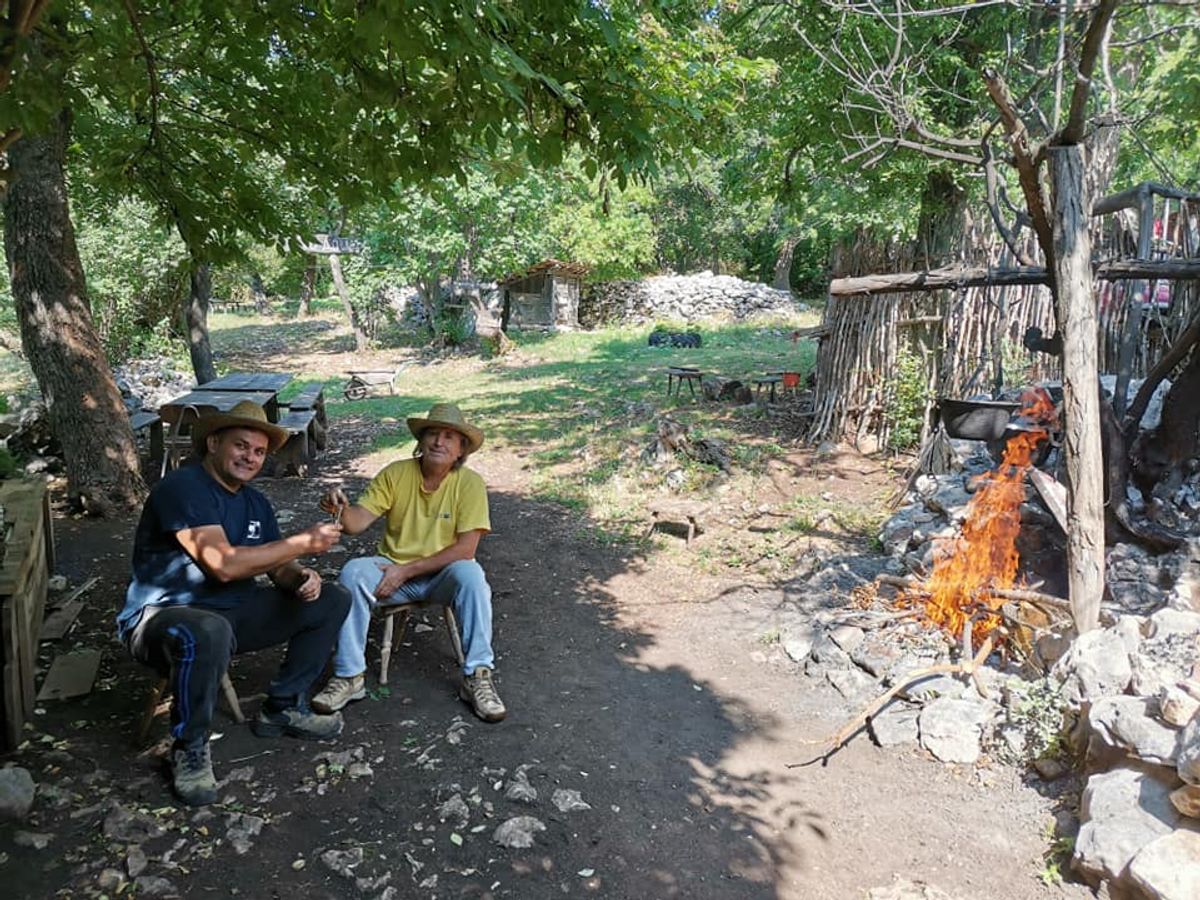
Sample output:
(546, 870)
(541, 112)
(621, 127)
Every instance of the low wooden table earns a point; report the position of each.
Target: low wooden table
(206, 401)
(766, 381)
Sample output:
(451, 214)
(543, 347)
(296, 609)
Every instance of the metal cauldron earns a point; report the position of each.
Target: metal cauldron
(976, 420)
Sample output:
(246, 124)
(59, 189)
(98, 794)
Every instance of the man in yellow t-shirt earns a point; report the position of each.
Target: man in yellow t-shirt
(436, 511)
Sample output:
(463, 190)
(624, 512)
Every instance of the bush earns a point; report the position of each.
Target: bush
(905, 400)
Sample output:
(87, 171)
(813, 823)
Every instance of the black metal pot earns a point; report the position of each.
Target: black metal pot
(976, 420)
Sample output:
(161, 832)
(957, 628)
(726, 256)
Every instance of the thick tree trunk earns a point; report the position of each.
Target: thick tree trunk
(195, 318)
(308, 286)
(85, 408)
(339, 283)
(783, 264)
(1081, 389)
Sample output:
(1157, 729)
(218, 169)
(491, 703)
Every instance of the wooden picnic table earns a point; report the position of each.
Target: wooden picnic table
(248, 381)
(206, 401)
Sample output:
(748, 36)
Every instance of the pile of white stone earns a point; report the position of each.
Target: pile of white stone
(149, 383)
(688, 298)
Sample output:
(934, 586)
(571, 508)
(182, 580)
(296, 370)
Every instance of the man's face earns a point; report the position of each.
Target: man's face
(237, 454)
(442, 446)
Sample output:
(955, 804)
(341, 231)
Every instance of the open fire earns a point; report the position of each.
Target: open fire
(983, 559)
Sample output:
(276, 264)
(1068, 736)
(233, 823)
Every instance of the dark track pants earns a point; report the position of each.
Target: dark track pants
(192, 645)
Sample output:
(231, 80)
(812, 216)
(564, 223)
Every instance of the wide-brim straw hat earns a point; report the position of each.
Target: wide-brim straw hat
(447, 415)
(246, 414)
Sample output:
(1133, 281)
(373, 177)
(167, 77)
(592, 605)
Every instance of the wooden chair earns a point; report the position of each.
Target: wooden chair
(177, 443)
(393, 636)
(159, 702)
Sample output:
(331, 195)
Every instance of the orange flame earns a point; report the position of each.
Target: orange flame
(984, 557)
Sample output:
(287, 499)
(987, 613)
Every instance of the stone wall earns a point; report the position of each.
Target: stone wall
(687, 298)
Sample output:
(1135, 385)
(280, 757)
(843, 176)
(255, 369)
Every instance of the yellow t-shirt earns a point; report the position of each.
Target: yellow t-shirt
(420, 524)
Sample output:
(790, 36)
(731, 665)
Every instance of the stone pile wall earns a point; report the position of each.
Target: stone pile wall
(687, 298)
(1133, 685)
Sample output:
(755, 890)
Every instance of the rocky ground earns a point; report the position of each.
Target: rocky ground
(657, 709)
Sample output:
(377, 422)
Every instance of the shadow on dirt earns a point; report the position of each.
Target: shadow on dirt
(644, 746)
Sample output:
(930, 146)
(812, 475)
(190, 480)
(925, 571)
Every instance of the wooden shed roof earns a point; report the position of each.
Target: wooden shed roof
(548, 267)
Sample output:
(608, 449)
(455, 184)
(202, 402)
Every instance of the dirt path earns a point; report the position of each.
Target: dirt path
(641, 684)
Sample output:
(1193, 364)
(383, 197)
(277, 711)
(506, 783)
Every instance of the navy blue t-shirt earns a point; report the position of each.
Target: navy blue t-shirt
(163, 574)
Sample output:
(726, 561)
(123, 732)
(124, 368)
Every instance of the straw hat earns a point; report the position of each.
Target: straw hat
(247, 414)
(447, 415)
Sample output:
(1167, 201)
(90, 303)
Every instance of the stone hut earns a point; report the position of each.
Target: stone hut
(546, 295)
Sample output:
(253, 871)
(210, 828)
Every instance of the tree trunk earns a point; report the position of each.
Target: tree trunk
(339, 283)
(783, 264)
(308, 286)
(195, 318)
(85, 408)
(1081, 389)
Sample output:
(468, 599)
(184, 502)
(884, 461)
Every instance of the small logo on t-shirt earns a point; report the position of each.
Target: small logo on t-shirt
(444, 515)
(254, 531)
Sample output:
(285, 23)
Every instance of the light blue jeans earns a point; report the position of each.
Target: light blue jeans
(461, 584)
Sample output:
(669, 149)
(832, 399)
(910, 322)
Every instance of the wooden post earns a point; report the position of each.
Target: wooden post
(1137, 299)
(339, 283)
(1081, 388)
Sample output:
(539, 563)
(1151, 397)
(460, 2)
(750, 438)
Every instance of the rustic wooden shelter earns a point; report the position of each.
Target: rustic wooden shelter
(967, 324)
(546, 295)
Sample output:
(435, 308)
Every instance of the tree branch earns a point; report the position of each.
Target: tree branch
(1093, 42)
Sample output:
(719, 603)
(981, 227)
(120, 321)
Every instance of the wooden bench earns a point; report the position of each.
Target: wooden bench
(145, 419)
(682, 511)
(295, 456)
(313, 398)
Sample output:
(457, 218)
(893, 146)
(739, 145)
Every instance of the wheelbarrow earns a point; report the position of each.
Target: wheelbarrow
(362, 381)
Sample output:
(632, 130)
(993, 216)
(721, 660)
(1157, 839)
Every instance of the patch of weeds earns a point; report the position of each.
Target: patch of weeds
(379, 692)
(859, 521)
(904, 402)
(803, 522)
(1037, 708)
(559, 492)
(1056, 858)
(770, 636)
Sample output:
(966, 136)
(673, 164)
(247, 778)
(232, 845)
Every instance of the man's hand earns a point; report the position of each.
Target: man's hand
(322, 536)
(309, 587)
(393, 579)
(333, 501)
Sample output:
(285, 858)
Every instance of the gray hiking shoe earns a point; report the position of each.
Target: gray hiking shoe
(192, 774)
(339, 691)
(297, 721)
(478, 690)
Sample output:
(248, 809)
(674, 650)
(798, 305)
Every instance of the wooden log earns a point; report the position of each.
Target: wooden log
(954, 277)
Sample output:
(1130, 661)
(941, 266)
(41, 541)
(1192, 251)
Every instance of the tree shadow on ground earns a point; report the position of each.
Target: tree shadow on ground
(645, 744)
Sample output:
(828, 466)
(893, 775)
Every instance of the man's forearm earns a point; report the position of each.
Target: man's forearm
(232, 563)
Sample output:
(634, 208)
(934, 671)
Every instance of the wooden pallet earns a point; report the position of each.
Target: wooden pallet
(28, 561)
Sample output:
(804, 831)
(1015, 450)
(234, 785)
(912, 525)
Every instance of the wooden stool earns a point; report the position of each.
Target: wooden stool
(766, 381)
(392, 636)
(156, 700)
(688, 511)
(677, 375)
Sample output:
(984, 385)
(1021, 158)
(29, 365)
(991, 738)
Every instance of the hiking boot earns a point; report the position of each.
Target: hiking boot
(478, 690)
(339, 691)
(297, 721)
(192, 774)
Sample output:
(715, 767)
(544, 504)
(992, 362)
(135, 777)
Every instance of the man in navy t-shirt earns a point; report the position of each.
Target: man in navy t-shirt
(193, 601)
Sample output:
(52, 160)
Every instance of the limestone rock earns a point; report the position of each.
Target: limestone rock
(568, 800)
(1187, 800)
(517, 832)
(1121, 812)
(1188, 761)
(128, 827)
(16, 793)
(1178, 706)
(1169, 867)
(1097, 665)
(951, 728)
(895, 724)
(1128, 723)
(1172, 621)
(852, 684)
